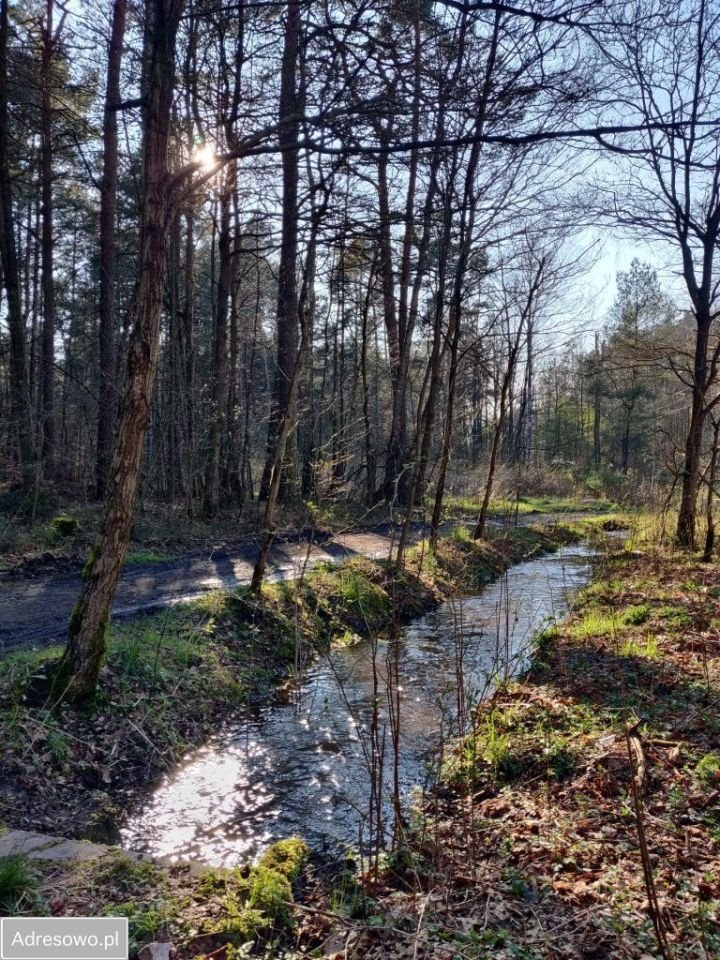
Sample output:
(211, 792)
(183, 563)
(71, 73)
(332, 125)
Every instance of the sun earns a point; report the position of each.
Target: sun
(204, 156)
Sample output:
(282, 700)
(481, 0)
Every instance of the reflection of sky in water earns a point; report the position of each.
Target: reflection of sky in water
(302, 768)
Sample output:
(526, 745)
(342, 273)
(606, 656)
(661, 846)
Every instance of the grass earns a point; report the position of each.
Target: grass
(140, 557)
(19, 886)
(519, 742)
(525, 506)
(605, 621)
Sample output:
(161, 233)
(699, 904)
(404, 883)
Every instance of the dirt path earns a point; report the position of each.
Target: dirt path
(36, 612)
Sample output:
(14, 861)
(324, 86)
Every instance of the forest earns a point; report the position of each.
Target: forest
(359, 440)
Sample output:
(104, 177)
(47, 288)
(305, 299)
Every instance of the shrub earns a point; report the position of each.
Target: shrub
(64, 525)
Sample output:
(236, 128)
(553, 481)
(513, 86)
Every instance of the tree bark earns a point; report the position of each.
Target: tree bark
(281, 411)
(48, 265)
(220, 362)
(108, 208)
(693, 442)
(709, 514)
(87, 641)
(20, 404)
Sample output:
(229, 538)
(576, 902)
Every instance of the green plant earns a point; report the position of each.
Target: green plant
(256, 900)
(145, 921)
(138, 558)
(65, 526)
(127, 872)
(286, 857)
(640, 647)
(707, 769)
(676, 618)
(19, 886)
(636, 614)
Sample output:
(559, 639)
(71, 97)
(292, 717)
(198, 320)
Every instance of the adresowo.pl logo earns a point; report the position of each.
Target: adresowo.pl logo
(63, 938)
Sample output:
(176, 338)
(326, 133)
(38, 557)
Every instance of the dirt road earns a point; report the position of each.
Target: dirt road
(35, 612)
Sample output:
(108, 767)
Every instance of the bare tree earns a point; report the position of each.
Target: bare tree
(665, 71)
(108, 209)
(87, 640)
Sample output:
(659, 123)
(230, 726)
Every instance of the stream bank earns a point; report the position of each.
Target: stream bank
(532, 849)
(172, 679)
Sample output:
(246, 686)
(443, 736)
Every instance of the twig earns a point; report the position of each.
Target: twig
(638, 783)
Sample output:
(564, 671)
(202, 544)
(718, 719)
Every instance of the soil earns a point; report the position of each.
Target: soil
(34, 611)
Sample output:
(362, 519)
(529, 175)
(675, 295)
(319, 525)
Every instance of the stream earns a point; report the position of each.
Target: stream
(302, 767)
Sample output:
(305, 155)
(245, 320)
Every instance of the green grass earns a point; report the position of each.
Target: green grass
(19, 886)
(138, 558)
(519, 742)
(528, 505)
(603, 622)
(640, 647)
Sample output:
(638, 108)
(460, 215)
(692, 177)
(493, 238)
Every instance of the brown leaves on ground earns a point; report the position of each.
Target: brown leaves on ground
(535, 853)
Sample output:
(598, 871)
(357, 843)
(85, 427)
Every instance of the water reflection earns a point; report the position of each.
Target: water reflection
(303, 767)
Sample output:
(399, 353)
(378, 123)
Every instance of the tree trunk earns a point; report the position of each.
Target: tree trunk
(596, 403)
(709, 515)
(220, 364)
(19, 388)
(188, 358)
(693, 443)
(108, 207)
(281, 412)
(48, 266)
(87, 641)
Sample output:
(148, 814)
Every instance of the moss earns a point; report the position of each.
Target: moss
(89, 563)
(707, 769)
(286, 857)
(65, 526)
(257, 900)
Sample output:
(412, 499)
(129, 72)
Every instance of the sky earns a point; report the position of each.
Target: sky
(616, 254)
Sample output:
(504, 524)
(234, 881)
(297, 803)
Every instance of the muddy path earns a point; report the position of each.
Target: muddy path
(34, 611)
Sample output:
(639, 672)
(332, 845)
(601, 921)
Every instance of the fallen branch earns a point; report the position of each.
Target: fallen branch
(638, 785)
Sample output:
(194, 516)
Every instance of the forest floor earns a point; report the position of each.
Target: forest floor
(530, 848)
(533, 845)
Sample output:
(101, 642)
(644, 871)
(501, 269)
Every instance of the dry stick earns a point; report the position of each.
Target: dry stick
(639, 767)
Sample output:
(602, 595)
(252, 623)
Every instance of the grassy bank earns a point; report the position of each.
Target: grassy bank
(172, 679)
(526, 506)
(533, 849)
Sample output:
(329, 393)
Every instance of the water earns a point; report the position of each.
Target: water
(303, 767)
